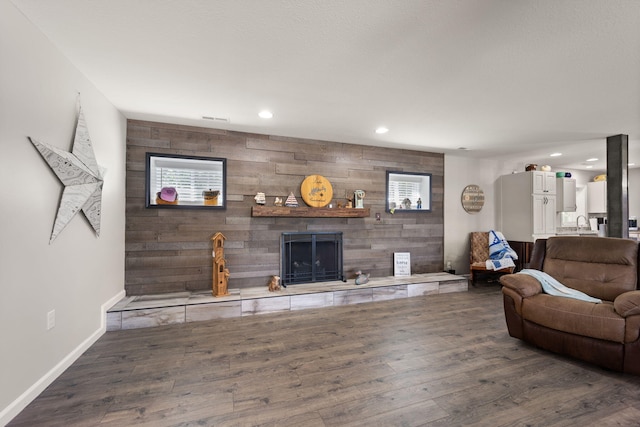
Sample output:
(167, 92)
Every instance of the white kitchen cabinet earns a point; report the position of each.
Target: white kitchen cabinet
(597, 197)
(566, 195)
(543, 182)
(528, 205)
(544, 214)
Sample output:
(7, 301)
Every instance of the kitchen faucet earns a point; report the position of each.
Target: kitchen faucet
(578, 221)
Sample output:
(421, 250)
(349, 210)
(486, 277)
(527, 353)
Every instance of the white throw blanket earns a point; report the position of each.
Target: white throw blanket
(552, 287)
(500, 253)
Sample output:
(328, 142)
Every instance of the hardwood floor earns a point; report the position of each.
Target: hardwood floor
(439, 360)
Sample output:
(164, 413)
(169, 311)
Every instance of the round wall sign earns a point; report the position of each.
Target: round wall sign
(316, 191)
(472, 198)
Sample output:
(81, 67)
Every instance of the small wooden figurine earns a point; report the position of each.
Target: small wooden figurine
(274, 284)
(349, 203)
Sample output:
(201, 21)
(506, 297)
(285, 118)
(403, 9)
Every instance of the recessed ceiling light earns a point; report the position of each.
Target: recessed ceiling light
(555, 154)
(593, 159)
(382, 130)
(265, 114)
(589, 167)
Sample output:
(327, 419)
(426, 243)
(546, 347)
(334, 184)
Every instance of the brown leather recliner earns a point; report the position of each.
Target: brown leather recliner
(606, 334)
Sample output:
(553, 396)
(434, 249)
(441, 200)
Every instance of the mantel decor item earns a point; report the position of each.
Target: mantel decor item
(291, 201)
(408, 192)
(316, 191)
(358, 196)
(81, 176)
(472, 198)
(260, 198)
(196, 182)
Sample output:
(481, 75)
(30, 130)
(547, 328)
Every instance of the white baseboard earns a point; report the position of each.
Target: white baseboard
(8, 413)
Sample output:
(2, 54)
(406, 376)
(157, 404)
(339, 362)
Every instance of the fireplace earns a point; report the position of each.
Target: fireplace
(309, 257)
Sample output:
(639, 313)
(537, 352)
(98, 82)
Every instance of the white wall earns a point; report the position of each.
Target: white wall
(458, 173)
(79, 274)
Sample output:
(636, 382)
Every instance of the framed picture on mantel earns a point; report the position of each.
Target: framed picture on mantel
(402, 264)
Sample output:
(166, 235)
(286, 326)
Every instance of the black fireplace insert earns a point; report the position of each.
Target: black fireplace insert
(309, 257)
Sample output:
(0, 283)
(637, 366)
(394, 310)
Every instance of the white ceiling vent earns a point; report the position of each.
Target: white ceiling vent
(217, 119)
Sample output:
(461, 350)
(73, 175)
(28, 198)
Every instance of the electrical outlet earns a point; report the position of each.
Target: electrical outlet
(51, 319)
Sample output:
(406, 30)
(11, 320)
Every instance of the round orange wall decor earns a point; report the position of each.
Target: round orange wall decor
(316, 191)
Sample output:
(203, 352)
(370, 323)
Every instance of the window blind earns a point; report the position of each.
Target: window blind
(189, 183)
(400, 190)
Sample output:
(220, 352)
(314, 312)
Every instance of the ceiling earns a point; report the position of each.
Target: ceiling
(508, 79)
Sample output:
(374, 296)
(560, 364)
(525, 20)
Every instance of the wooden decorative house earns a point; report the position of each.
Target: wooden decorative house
(220, 270)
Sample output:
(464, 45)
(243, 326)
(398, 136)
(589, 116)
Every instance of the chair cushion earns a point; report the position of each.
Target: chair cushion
(598, 321)
(479, 247)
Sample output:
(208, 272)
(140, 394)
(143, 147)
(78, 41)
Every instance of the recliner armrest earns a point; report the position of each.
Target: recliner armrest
(627, 304)
(523, 284)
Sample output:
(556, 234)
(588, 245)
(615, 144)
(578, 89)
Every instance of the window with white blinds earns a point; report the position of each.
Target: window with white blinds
(408, 191)
(190, 176)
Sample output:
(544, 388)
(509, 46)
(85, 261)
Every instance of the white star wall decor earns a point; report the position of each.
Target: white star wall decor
(81, 176)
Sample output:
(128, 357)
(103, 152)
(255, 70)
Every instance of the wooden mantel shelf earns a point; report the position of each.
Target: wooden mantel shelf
(307, 212)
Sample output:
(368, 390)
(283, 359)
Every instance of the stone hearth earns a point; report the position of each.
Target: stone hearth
(164, 309)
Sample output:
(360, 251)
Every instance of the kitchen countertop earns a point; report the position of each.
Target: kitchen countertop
(569, 231)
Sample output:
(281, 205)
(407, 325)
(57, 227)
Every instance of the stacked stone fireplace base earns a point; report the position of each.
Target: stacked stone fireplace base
(163, 309)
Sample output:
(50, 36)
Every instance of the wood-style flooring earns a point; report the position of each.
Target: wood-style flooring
(438, 360)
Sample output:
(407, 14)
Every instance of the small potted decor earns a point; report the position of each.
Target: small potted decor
(167, 196)
(211, 197)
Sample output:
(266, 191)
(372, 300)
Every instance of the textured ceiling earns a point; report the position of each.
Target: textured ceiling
(517, 79)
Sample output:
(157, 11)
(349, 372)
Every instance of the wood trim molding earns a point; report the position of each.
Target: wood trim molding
(308, 212)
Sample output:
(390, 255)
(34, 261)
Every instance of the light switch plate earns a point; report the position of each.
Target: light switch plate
(51, 319)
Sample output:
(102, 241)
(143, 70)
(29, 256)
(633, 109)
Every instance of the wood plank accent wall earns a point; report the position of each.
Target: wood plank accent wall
(169, 250)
